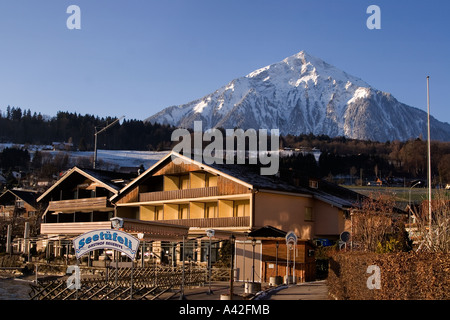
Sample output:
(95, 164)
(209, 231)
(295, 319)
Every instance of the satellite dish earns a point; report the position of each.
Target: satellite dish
(345, 236)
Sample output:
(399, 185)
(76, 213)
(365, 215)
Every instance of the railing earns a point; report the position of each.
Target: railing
(212, 222)
(178, 194)
(137, 284)
(73, 227)
(78, 204)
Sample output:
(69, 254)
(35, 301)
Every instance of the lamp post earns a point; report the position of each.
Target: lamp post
(182, 296)
(232, 240)
(95, 138)
(141, 238)
(210, 233)
(253, 260)
(276, 259)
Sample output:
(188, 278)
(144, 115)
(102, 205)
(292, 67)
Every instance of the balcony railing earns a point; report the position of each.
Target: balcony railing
(90, 204)
(73, 227)
(233, 222)
(179, 194)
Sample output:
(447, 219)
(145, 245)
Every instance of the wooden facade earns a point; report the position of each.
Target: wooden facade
(304, 260)
(87, 204)
(189, 194)
(79, 202)
(21, 202)
(266, 261)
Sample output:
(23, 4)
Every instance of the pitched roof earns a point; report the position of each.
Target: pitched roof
(336, 195)
(268, 232)
(250, 176)
(113, 181)
(25, 195)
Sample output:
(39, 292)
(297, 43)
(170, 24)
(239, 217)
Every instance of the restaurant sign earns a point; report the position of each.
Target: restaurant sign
(106, 239)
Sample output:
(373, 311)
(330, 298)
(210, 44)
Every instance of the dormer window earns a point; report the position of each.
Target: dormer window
(314, 184)
(20, 204)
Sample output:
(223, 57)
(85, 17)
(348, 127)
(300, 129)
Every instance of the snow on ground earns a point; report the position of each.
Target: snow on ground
(126, 158)
(107, 159)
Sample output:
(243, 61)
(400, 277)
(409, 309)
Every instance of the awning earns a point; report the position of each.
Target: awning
(153, 230)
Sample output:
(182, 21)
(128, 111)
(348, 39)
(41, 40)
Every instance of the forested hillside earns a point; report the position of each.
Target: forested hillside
(339, 156)
(22, 127)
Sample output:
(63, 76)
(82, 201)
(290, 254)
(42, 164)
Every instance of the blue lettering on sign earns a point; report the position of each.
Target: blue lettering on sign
(112, 239)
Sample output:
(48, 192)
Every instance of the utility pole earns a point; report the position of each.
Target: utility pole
(95, 138)
(429, 162)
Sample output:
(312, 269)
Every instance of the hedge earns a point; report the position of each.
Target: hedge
(403, 276)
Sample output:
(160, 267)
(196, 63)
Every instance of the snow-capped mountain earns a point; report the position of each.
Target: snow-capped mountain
(303, 94)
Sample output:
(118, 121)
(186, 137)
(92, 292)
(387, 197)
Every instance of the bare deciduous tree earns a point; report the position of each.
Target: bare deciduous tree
(438, 240)
(373, 222)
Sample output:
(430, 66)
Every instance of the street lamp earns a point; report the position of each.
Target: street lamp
(276, 260)
(210, 233)
(95, 138)
(232, 240)
(253, 258)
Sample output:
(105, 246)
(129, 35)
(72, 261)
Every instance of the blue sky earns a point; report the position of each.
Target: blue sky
(136, 57)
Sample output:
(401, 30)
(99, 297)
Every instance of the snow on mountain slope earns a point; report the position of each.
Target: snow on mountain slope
(303, 94)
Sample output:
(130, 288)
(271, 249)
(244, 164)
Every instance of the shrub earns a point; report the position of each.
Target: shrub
(404, 276)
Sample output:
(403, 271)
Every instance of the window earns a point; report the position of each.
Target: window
(314, 184)
(159, 213)
(20, 204)
(205, 251)
(184, 182)
(190, 253)
(211, 210)
(211, 180)
(241, 208)
(184, 211)
(197, 180)
(309, 214)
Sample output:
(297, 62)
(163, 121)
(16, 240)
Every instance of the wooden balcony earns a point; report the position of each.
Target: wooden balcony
(86, 204)
(73, 227)
(231, 222)
(179, 194)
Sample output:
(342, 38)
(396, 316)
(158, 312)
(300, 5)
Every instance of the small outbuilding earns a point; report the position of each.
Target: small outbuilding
(265, 257)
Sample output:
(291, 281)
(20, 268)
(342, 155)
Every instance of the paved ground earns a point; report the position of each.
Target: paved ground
(316, 290)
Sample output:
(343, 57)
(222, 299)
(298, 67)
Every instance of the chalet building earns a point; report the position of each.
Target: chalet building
(19, 201)
(80, 202)
(179, 198)
(231, 199)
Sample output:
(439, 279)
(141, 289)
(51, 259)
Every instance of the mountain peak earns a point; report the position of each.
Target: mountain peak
(304, 94)
(303, 65)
